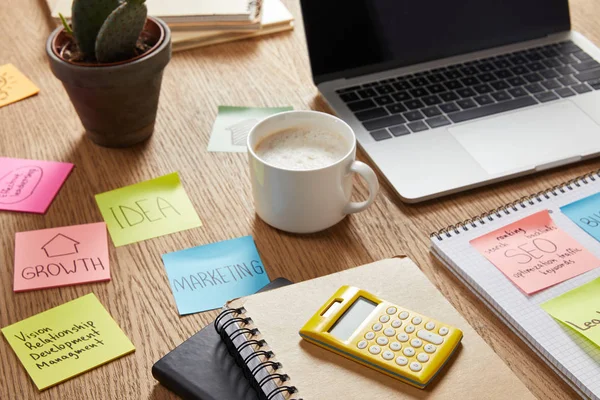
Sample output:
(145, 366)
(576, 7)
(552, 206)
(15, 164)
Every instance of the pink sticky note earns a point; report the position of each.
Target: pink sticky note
(61, 256)
(534, 253)
(30, 185)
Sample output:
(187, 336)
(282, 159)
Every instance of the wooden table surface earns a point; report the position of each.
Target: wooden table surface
(272, 71)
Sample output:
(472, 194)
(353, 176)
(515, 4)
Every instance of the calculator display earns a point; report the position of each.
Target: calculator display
(352, 318)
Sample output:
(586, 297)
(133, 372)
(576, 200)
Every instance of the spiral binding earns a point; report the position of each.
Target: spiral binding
(257, 344)
(516, 205)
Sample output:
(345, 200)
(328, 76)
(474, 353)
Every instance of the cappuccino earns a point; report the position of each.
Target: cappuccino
(302, 148)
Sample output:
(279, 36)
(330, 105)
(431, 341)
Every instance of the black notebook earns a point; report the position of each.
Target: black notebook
(202, 368)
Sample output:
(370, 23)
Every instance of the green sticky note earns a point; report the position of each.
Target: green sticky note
(579, 309)
(148, 209)
(67, 340)
(231, 128)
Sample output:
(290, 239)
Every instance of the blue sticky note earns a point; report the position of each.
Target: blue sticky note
(586, 214)
(205, 277)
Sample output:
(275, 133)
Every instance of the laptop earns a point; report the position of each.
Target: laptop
(446, 96)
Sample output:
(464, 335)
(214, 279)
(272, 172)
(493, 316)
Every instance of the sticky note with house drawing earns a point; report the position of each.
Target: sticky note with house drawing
(14, 86)
(63, 256)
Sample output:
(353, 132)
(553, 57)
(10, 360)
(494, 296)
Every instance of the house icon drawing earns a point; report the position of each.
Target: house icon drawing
(60, 245)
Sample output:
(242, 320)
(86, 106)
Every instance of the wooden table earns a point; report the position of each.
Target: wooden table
(272, 71)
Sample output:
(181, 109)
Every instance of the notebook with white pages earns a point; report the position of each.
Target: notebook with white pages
(571, 355)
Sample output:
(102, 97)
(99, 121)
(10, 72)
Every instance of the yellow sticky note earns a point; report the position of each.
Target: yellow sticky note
(67, 340)
(148, 209)
(579, 309)
(14, 86)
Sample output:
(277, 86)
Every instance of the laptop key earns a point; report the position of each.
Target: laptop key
(466, 104)
(436, 122)
(487, 77)
(436, 88)
(466, 92)
(383, 100)
(436, 78)
(595, 84)
(518, 60)
(565, 92)
(567, 59)
(549, 73)
(516, 81)
(568, 80)
(379, 123)
(583, 88)
(399, 130)
(568, 47)
(396, 108)
(492, 109)
(453, 74)
(401, 96)
(519, 70)
(361, 105)
(470, 81)
(431, 100)
(482, 89)
(501, 96)
(546, 96)
(518, 92)
(431, 111)
(588, 75)
(536, 66)
(500, 85)
(484, 100)
(551, 84)
(417, 82)
(371, 114)
(565, 70)
(501, 64)
(402, 85)
(413, 115)
(582, 56)
(414, 104)
(449, 107)
(532, 78)
(418, 126)
(366, 93)
(385, 89)
(534, 88)
(453, 85)
(449, 96)
(533, 56)
(586, 65)
(380, 134)
(552, 63)
(418, 92)
(348, 97)
(503, 74)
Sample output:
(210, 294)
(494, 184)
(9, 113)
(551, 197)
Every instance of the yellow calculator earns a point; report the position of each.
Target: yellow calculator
(383, 336)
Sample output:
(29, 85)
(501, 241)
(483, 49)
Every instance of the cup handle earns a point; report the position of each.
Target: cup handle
(368, 175)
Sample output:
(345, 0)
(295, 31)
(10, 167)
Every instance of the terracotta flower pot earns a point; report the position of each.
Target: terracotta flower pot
(116, 102)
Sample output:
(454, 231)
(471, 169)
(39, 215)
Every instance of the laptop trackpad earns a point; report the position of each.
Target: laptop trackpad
(530, 137)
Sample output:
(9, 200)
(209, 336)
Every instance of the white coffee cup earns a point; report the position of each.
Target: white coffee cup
(305, 201)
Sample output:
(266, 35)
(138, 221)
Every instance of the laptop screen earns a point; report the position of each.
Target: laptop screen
(355, 37)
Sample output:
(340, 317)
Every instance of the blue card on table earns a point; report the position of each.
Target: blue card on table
(586, 214)
(205, 277)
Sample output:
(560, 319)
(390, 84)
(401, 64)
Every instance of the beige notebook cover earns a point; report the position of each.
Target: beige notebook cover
(474, 372)
(275, 18)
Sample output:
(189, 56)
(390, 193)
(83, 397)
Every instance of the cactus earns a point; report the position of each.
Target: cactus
(107, 30)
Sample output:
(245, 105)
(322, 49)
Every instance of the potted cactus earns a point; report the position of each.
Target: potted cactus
(110, 61)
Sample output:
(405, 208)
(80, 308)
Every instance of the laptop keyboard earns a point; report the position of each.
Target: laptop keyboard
(462, 92)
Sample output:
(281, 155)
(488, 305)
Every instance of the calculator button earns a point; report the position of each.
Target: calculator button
(401, 361)
(387, 355)
(369, 335)
(384, 318)
(417, 320)
(415, 366)
(403, 337)
(409, 329)
(374, 349)
(409, 352)
(416, 342)
(362, 344)
(443, 331)
(389, 332)
(423, 357)
(430, 337)
(429, 348)
(395, 346)
(382, 340)
(396, 323)
(430, 325)
(377, 327)
(403, 315)
(391, 310)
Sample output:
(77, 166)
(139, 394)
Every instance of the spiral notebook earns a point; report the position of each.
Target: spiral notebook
(574, 358)
(262, 333)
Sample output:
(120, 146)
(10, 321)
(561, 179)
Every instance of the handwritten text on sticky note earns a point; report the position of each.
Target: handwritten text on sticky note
(205, 277)
(61, 256)
(67, 340)
(579, 309)
(586, 214)
(30, 185)
(14, 86)
(534, 253)
(148, 209)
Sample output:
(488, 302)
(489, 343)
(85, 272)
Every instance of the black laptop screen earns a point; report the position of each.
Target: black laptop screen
(354, 37)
